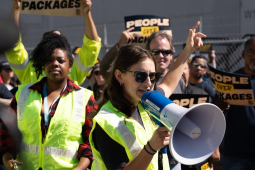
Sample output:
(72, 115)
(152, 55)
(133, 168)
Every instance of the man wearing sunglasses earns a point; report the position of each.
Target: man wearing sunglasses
(161, 46)
(197, 71)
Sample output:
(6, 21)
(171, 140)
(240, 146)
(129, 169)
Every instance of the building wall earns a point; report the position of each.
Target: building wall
(219, 19)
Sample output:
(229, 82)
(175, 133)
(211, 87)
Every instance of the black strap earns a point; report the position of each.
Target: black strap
(160, 161)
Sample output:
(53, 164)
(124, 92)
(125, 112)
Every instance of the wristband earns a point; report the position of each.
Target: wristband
(151, 147)
(148, 151)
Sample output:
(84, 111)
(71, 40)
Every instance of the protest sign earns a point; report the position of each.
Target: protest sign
(144, 26)
(51, 7)
(236, 89)
(189, 100)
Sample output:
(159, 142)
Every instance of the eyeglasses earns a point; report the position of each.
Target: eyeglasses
(141, 76)
(250, 52)
(197, 64)
(97, 73)
(163, 52)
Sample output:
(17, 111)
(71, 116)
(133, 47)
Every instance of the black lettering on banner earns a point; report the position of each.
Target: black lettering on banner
(140, 39)
(248, 96)
(25, 5)
(63, 4)
(235, 96)
(32, 5)
(242, 96)
(77, 4)
(228, 96)
(145, 39)
(47, 4)
(223, 87)
(221, 95)
(56, 4)
(191, 102)
(38, 5)
(134, 40)
(70, 4)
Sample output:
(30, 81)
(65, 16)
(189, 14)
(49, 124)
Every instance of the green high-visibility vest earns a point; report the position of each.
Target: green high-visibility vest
(64, 135)
(127, 132)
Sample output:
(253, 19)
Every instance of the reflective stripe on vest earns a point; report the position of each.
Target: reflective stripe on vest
(54, 151)
(130, 139)
(79, 104)
(23, 100)
(20, 66)
(80, 65)
(30, 148)
(97, 166)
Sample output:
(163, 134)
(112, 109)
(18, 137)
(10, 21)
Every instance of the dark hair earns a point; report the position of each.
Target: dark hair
(161, 34)
(43, 51)
(249, 42)
(52, 32)
(198, 56)
(128, 55)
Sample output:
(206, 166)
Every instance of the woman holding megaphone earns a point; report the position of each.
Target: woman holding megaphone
(123, 135)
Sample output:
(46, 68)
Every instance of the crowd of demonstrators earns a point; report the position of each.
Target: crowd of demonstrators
(87, 56)
(123, 135)
(239, 148)
(135, 144)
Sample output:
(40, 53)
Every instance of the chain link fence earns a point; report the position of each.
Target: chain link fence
(228, 53)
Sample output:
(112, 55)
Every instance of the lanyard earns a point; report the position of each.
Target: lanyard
(45, 103)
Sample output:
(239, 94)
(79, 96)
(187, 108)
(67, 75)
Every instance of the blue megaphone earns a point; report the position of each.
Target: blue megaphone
(195, 132)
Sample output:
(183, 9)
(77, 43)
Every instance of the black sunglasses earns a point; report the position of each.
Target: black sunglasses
(163, 52)
(141, 76)
(197, 64)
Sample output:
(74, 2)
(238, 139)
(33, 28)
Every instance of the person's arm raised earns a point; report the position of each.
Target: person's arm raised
(106, 63)
(173, 76)
(90, 28)
(16, 11)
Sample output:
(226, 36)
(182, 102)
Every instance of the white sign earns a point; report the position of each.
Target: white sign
(247, 17)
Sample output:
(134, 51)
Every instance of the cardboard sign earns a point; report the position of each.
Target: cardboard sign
(51, 7)
(144, 26)
(236, 89)
(189, 100)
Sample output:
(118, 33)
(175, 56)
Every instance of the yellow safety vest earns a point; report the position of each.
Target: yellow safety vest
(127, 132)
(64, 135)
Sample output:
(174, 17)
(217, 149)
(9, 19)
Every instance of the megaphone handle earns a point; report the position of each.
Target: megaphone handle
(163, 150)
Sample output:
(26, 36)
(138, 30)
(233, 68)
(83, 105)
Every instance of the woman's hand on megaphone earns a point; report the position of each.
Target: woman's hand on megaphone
(160, 138)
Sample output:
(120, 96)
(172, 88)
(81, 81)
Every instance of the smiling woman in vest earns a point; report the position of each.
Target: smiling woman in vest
(53, 115)
(123, 136)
